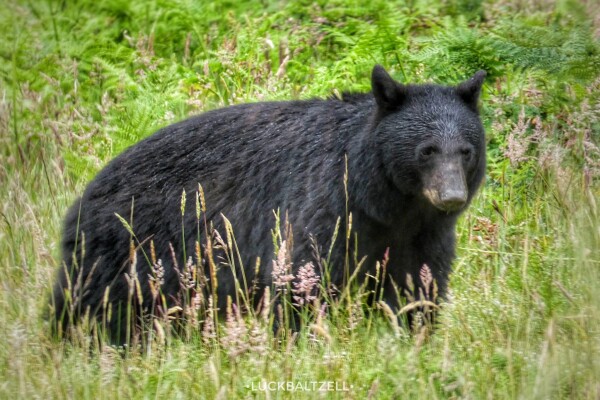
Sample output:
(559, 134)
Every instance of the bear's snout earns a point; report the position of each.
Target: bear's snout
(446, 187)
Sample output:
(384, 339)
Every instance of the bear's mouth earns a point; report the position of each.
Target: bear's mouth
(448, 201)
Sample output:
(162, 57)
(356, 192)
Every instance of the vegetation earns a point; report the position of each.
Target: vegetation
(80, 81)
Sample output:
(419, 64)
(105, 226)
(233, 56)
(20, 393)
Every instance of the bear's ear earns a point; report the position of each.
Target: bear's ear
(470, 89)
(388, 93)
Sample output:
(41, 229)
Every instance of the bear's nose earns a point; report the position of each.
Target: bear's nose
(453, 200)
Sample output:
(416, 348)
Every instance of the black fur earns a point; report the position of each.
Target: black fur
(252, 159)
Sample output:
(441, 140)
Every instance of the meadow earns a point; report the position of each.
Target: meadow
(80, 81)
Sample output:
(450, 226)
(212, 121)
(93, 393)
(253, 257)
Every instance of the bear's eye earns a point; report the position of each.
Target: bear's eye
(466, 152)
(428, 151)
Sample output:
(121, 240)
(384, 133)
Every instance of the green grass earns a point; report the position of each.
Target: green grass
(80, 81)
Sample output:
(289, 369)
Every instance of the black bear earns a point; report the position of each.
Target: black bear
(403, 160)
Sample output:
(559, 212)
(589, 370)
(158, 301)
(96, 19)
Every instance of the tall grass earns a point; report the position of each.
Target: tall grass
(81, 81)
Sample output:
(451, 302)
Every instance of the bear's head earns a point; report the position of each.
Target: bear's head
(430, 139)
